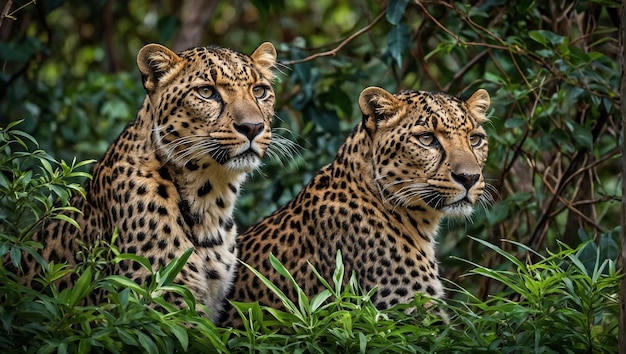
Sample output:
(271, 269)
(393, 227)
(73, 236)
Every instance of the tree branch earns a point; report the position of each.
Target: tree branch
(5, 11)
(334, 51)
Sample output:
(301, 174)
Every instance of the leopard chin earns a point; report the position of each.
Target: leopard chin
(246, 162)
(462, 208)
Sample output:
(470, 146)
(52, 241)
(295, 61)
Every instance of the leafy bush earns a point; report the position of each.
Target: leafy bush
(554, 305)
(35, 188)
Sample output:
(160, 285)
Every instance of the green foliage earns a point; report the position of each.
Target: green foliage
(339, 319)
(54, 320)
(555, 305)
(29, 189)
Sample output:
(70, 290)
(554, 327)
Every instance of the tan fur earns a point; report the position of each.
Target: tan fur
(415, 158)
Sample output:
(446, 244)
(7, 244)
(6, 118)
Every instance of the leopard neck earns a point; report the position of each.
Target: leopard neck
(206, 193)
(355, 160)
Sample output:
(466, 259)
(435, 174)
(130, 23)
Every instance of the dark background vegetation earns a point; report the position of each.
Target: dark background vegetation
(551, 68)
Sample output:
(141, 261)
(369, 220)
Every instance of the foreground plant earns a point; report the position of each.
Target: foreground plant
(554, 305)
(35, 188)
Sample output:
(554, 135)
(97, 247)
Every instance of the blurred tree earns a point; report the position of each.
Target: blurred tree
(194, 18)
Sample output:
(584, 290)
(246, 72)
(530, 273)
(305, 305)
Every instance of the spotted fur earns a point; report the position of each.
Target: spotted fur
(170, 180)
(415, 158)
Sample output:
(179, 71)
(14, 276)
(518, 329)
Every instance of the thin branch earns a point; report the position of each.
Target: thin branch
(465, 69)
(5, 11)
(567, 204)
(334, 51)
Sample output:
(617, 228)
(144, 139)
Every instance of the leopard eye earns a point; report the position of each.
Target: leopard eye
(259, 92)
(476, 139)
(427, 139)
(207, 92)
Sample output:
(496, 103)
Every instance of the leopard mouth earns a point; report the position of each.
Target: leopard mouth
(438, 202)
(245, 161)
(461, 207)
(248, 154)
(460, 203)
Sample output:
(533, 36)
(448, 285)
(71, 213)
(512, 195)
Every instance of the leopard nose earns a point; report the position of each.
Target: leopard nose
(466, 180)
(250, 130)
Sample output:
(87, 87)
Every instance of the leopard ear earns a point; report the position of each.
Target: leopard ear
(377, 105)
(478, 104)
(265, 58)
(156, 63)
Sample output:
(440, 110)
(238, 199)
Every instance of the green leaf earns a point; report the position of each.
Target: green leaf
(398, 40)
(173, 268)
(67, 219)
(544, 37)
(395, 10)
(339, 272)
(582, 136)
(500, 251)
(514, 123)
(181, 334)
(289, 305)
(127, 283)
(538, 37)
(27, 136)
(126, 337)
(147, 343)
(133, 257)
(61, 192)
(82, 287)
(16, 256)
(4, 182)
(47, 167)
(13, 124)
(303, 301)
(362, 343)
(319, 299)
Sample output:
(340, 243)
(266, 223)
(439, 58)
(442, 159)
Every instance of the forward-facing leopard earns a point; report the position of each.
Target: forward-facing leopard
(170, 180)
(415, 158)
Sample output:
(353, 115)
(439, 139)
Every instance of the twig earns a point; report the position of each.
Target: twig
(465, 69)
(341, 45)
(5, 11)
(7, 7)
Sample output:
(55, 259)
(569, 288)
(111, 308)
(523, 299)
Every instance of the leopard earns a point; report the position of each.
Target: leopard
(414, 158)
(170, 180)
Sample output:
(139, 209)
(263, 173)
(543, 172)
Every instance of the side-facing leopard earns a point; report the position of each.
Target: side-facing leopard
(415, 158)
(170, 180)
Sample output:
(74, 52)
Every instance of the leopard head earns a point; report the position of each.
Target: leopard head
(429, 148)
(210, 105)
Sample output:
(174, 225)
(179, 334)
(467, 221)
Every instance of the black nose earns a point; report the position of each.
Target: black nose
(250, 130)
(466, 180)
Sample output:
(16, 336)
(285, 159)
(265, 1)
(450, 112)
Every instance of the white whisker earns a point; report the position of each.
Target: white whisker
(185, 149)
(282, 149)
